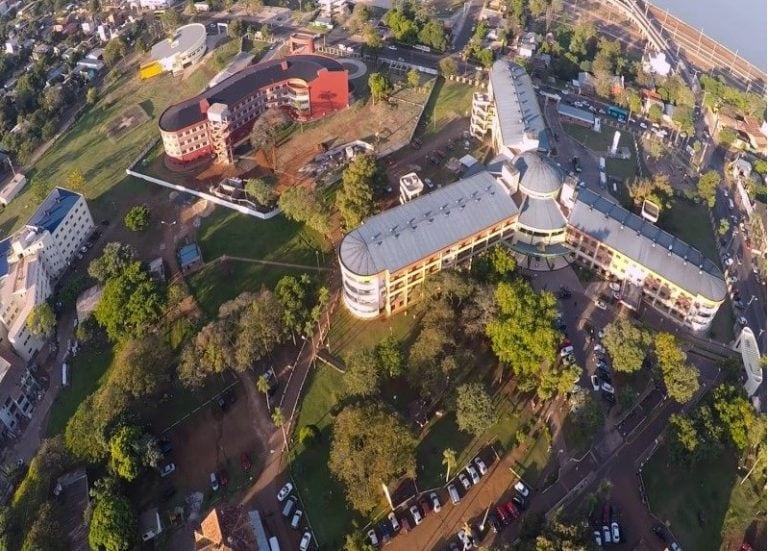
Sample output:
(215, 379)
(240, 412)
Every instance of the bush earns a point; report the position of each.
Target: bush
(137, 219)
(308, 434)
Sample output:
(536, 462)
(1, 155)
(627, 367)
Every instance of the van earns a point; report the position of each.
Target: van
(290, 503)
(454, 493)
(274, 545)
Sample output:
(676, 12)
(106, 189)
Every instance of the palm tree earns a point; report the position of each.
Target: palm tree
(262, 385)
(279, 420)
(449, 460)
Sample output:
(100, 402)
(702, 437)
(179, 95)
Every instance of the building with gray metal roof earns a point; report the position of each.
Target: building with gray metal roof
(186, 47)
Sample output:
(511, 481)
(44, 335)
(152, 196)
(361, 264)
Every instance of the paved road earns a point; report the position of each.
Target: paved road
(466, 25)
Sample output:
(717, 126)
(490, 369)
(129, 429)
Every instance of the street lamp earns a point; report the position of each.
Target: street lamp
(168, 223)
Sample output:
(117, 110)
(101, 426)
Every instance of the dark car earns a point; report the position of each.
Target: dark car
(512, 510)
(519, 502)
(494, 523)
(245, 461)
(660, 532)
(165, 446)
(564, 293)
(609, 397)
(222, 403)
(425, 506)
(168, 493)
(223, 477)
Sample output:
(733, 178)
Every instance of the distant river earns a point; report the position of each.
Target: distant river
(738, 24)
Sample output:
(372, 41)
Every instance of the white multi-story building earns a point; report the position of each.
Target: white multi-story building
(19, 391)
(510, 111)
(334, 8)
(34, 257)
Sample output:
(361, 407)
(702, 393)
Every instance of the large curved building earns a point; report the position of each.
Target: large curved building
(214, 122)
(537, 210)
(186, 47)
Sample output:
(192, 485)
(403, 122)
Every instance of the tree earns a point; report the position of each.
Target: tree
(706, 188)
(295, 296)
(655, 113)
(142, 366)
(130, 304)
(380, 86)
(743, 426)
(361, 13)
(308, 434)
(124, 457)
(683, 117)
(371, 36)
(523, 334)
(389, 356)
(266, 131)
(684, 440)
(627, 344)
(260, 329)
(356, 540)
(448, 67)
(355, 199)
(137, 218)
(253, 6)
(41, 321)
(680, 378)
(92, 96)
(363, 375)
(170, 21)
(654, 147)
(432, 34)
(449, 462)
(211, 351)
(237, 28)
(656, 189)
(262, 191)
(726, 136)
(46, 531)
(474, 409)
(485, 57)
(113, 525)
(114, 260)
(724, 227)
(413, 78)
(75, 181)
(115, 50)
(263, 386)
(370, 446)
(278, 419)
(306, 207)
(760, 167)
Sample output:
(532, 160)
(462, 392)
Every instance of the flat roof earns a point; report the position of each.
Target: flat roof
(516, 105)
(407, 233)
(575, 113)
(189, 254)
(184, 38)
(648, 245)
(235, 88)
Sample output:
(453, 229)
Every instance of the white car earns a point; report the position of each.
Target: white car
(599, 348)
(600, 303)
(601, 333)
(284, 492)
(566, 350)
(606, 534)
(296, 519)
(473, 475)
(167, 469)
(392, 47)
(642, 125)
(429, 183)
(416, 514)
(598, 538)
(435, 501)
(373, 538)
(306, 539)
(605, 387)
(595, 382)
(465, 481)
(522, 489)
(615, 532)
(465, 539)
(481, 466)
(393, 521)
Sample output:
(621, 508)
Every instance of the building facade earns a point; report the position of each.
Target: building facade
(19, 392)
(186, 47)
(32, 259)
(213, 123)
(536, 210)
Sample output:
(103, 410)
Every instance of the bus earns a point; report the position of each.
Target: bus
(422, 48)
(618, 113)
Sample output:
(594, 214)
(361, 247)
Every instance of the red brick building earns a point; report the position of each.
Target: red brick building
(216, 121)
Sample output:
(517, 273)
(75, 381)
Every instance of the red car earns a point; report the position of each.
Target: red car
(223, 477)
(245, 461)
(512, 510)
(503, 516)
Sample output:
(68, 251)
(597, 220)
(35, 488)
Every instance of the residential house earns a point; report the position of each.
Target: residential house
(72, 500)
(231, 529)
(527, 45)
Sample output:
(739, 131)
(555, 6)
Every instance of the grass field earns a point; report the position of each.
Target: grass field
(449, 101)
(600, 142)
(726, 507)
(87, 372)
(690, 222)
(232, 234)
(85, 146)
(322, 495)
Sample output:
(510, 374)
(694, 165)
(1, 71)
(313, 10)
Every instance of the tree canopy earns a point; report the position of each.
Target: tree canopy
(266, 130)
(371, 446)
(113, 525)
(260, 190)
(41, 321)
(359, 181)
(114, 260)
(142, 366)
(379, 85)
(137, 218)
(680, 378)
(363, 376)
(125, 458)
(474, 409)
(627, 344)
(706, 188)
(306, 207)
(656, 189)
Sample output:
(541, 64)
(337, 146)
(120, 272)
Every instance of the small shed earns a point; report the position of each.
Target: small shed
(189, 257)
(468, 161)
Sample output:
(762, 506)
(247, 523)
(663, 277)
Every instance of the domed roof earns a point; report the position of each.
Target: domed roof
(537, 175)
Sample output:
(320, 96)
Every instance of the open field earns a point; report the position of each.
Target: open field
(449, 101)
(705, 510)
(228, 233)
(600, 143)
(102, 161)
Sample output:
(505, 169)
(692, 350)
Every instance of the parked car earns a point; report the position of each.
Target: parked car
(393, 521)
(453, 493)
(615, 534)
(608, 397)
(223, 477)
(416, 514)
(290, 503)
(566, 350)
(214, 482)
(494, 523)
(598, 538)
(425, 506)
(284, 491)
(435, 502)
(465, 481)
(168, 493)
(473, 475)
(165, 446)
(481, 466)
(522, 489)
(605, 387)
(660, 532)
(296, 519)
(372, 537)
(465, 539)
(519, 502)
(512, 510)
(306, 539)
(595, 382)
(405, 524)
(606, 534)
(503, 516)
(600, 303)
(167, 469)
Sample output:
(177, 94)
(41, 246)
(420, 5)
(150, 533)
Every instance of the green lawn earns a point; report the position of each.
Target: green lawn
(348, 332)
(229, 233)
(322, 495)
(86, 147)
(600, 143)
(86, 374)
(449, 101)
(726, 506)
(690, 222)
